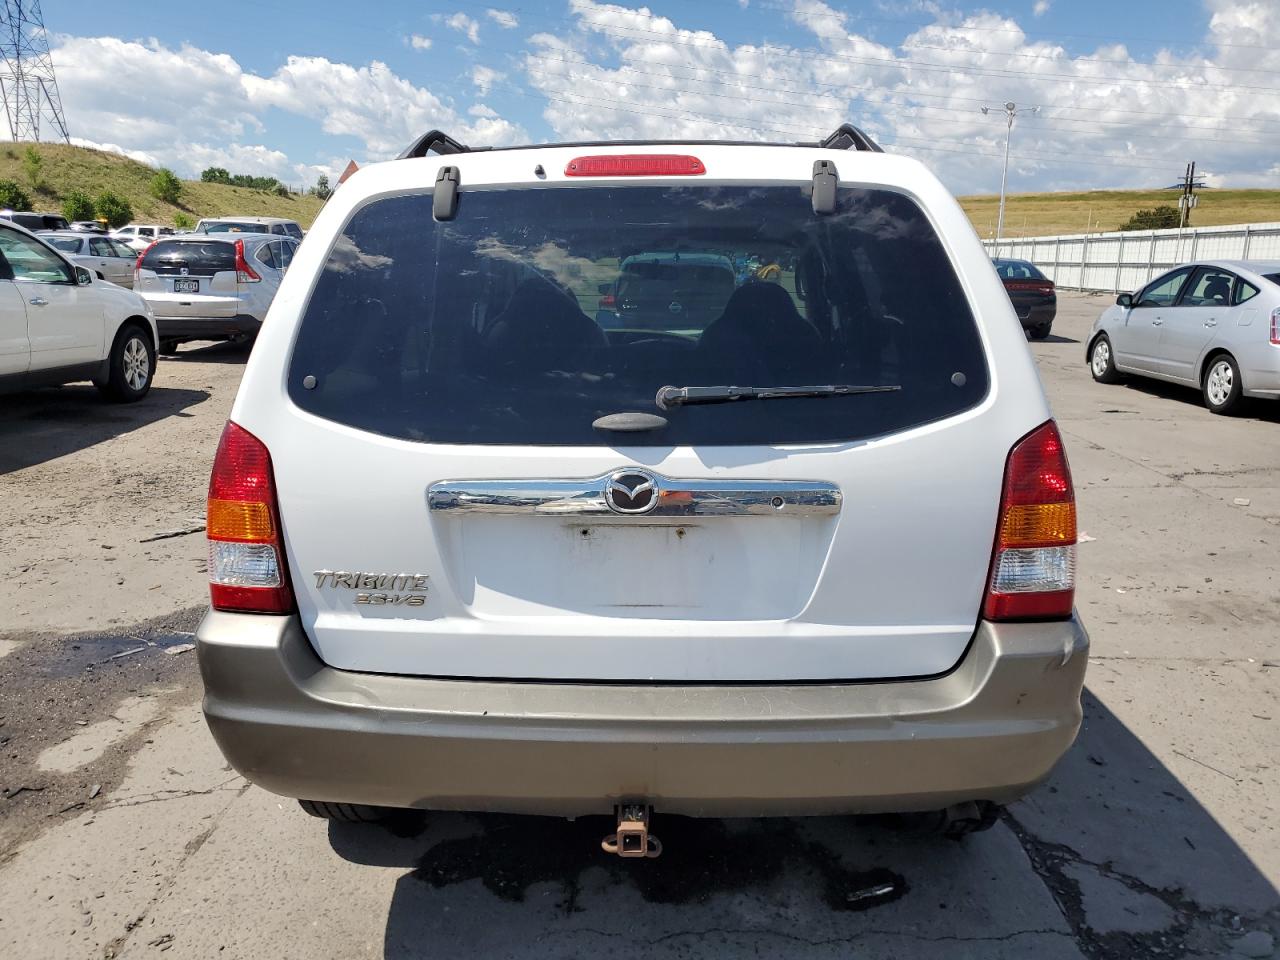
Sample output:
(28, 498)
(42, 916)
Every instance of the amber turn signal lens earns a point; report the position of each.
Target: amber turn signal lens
(1038, 525)
(238, 520)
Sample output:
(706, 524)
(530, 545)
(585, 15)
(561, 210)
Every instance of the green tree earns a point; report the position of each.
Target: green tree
(13, 197)
(113, 208)
(32, 166)
(281, 190)
(77, 205)
(322, 188)
(216, 175)
(182, 221)
(165, 186)
(1157, 218)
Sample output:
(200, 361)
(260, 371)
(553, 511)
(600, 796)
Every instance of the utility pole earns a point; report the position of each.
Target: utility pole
(1010, 110)
(1188, 198)
(27, 84)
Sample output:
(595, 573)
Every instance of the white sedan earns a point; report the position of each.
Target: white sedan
(106, 257)
(59, 323)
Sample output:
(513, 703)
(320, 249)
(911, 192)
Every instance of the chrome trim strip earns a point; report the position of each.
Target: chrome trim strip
(676, 498)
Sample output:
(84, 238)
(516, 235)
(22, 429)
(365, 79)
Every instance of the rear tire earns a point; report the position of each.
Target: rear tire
(169, 347)
(1221, 386)
(1102, 362)
(131, 365)
(1041, 331)
(345, 812)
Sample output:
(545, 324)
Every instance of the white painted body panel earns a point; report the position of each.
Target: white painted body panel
(891, 587)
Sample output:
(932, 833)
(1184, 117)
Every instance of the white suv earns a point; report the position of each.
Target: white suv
(60, 324)
(810, 552)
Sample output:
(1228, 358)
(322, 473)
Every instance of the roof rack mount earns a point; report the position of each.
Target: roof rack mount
(844, 137)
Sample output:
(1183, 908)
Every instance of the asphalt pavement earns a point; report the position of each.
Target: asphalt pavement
(124, 834)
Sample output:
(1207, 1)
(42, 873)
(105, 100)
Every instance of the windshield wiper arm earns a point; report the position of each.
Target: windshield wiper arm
(670, 396)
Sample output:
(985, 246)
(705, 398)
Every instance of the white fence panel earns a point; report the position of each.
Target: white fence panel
(1117, 262)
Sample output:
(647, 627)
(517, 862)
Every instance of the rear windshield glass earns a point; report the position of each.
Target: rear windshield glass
(538, 310)
(1273, 277)
(1017, 270)
(230, 226)
(195, 257)
(65, 244)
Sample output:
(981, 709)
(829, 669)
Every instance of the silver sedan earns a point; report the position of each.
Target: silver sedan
(1214, 325)
(106, 257)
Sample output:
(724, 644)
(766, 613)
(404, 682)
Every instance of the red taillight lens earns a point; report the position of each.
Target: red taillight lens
(1033, 568)
(608, 302)
(247, 572)
(244, 272)
(636, 165)
(1034, 286)
(1275, 326)
(138, 266)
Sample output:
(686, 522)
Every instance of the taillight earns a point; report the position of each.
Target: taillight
(1275, 326)
(607, 302)
(1033, 569)
(247, 572)
(636, 165)
(244, 272)
(1036, 286)
(138, 266)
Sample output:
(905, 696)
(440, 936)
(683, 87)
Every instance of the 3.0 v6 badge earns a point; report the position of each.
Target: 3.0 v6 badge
(377, 589)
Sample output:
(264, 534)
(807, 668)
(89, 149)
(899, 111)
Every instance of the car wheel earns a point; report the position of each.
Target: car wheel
(1102, 363)
(1223, 390)
(130, 367)
(1041, 331)
(345, 812)
(169, 347)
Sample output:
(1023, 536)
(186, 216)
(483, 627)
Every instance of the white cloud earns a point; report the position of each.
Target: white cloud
(484, 78)
(1109, 117)
(140, 155)
(503, 18)
(1041, 8)
(418, 41)
(189, 108)
(465, 25)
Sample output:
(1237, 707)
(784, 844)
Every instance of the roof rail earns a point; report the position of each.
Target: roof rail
(848, 137)
(844, 137)
(436, 141)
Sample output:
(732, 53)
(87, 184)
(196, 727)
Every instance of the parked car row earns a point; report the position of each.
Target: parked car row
(67, 313)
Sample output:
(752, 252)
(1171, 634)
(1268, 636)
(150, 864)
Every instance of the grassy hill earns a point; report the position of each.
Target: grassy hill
(68, 168)
(1045, 214)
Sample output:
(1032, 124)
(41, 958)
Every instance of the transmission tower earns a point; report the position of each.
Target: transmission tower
(27, 83)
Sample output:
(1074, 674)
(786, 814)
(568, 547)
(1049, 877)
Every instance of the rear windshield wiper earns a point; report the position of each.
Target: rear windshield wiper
(678, 396)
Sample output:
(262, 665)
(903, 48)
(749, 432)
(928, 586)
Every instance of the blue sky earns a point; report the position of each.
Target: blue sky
(1127, 91)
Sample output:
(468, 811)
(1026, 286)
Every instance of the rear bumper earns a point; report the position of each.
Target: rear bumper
(1036, 314)
(211, 328)
(990, 730)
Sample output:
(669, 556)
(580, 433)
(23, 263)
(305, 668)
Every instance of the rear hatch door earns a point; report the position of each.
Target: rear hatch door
(453, 506)
(190, 278)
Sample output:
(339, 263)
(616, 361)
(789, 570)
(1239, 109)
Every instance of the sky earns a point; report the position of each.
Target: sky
(1109, 93)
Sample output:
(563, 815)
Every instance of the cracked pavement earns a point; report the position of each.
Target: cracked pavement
(1155, 837)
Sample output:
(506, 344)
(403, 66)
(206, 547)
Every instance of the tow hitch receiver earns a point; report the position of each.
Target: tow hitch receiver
(633, 838)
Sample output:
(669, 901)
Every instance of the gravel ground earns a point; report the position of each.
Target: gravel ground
(122, 832)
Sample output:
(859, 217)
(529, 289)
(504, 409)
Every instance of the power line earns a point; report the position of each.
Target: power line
(997, 73)
(842, 17)
(769, 97)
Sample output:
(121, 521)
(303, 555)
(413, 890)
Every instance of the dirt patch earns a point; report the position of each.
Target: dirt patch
(56, 690)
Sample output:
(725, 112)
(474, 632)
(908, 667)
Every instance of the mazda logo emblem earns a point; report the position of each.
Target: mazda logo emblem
(631, 491)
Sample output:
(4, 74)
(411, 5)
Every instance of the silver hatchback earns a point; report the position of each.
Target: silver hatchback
(212, 288)
(1214, 325)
